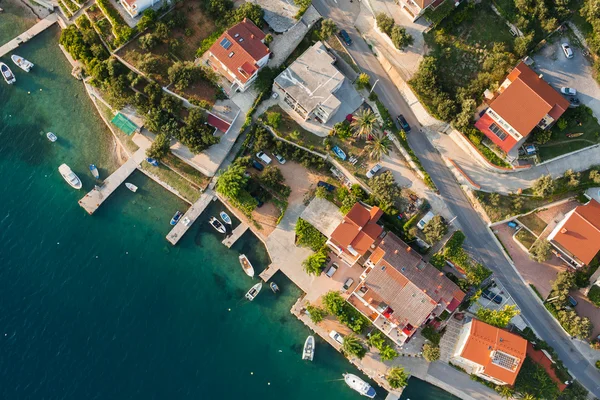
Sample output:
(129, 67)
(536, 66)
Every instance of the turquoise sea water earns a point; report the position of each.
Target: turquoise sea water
(102, 307)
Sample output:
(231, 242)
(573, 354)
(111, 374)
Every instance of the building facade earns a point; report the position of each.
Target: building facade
(136, 7)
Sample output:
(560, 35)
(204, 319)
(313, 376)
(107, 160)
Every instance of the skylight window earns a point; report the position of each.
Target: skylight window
(236, 35)
(231, 54)
(241, 40)
(225, 43)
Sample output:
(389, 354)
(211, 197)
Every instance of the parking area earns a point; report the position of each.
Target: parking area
(575, 72)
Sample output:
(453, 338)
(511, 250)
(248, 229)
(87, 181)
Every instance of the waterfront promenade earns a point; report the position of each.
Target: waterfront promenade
(24, 37)
(192, 214)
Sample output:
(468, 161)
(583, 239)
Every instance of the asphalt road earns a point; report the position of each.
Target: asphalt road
(344, 13)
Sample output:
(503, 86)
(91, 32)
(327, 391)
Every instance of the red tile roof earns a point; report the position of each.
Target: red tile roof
(359, 229)
(542, 360)
(218, 123)
(486, 339)
(246, 48)
(580, 235)
(483, 124)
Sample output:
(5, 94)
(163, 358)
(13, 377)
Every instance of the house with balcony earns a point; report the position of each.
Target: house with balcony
(577, 235)
(357, 234)
(238, 55)
(399, 292)
(491, 353)
(136, 7)
(415, 8)
(313, 88)
(523, 102)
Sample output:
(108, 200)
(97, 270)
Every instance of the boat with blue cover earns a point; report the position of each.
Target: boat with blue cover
(339, 152)
(176, 218)
(225, 217)
(94, 171)
(152, 161)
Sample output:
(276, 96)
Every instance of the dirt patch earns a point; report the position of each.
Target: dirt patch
(300, 180)
(266, 216)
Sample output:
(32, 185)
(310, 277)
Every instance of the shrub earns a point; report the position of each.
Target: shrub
(160, 147)
(308, 236)
(540, 251)
(385, 23)
(397, 377)
(430, 334)
(273, 119)
(431, 352)
(316, 314)
(498, 318)
(594, 295)
(543, 186)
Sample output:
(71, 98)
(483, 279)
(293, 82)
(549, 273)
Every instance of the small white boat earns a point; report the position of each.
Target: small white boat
(94, 171)
(51, 137)
(359, 385)
(69, 176)
(7, 74)
(219, 227)
(225, 217)
(253, 292)
(309, 348)
(22, 63)
(131, 187)
(274, 287)
(247, 267)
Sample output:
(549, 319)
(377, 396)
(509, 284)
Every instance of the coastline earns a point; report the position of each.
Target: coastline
(33, 10)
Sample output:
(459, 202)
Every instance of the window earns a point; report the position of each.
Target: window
(225, 43)
(241, 40)
(236, 35)
(498, 132)
(231, 54)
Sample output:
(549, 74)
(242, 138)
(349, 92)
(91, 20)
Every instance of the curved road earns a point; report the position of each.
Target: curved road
(344, 13)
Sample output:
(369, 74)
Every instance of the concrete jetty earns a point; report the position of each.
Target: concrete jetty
(268, 272)
(92, 201)
(192, 214)
(24, 37)
(235, 235)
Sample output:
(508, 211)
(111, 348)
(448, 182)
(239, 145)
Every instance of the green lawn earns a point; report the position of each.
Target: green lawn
(526, 238)
(171, 178)
(505, 208)
(292, 131)
(579, 120)
(534, 223)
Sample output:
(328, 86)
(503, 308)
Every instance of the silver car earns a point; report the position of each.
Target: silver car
(567, 50)
(371, 173)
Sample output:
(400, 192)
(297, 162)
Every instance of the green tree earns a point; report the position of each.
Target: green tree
(171, 104)
(160, 147)
(385, 23)
(543, 186)
(316, 314)
(476, 273)
(247, 10)
(498, 318)
(377, 340)
(333, 302)
(148, 20)
(384, 187)
(162, 31)
(431, 352)
(233, 179)
(397, 377)
(308, 236)
(363, 80)
(522, 44)
(272, 176)
(435, 229)
(542, 136)
(387, 353)
(328, 28)
(400, 37)
(379, 145)
(540, 251)
(321, 193)
(505, 391)
(364, 123)
(264, 79)
(352, 346)
(494, 199)
(572, 178)
(313, 264)
(148, 41)
(517, 203)
(341, 130)
(595, 176)
(273, 119)
(534, 380)
(183, 73)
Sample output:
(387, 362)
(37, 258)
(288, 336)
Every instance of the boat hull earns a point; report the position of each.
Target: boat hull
(360, 386)
(217, 225)
(94, 171)
(246, 265)
(70, 177)
(176, 218)
(225, 217)
(131, 187)
(22, 63)
(254, 291)
(7, 74)
(308, 351)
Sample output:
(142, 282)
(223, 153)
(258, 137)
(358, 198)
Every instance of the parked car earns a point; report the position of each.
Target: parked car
(337, 337)
(491, 296)
(258, 166)
(345, 37)
(331, 270)
(371, 173)
(403, 124)
(327, 186)
(568, 91)
(572, 301)
(280, 158)
(567, 50)
(428, 217)
(263, 157)
(348, 283)
(573, 102)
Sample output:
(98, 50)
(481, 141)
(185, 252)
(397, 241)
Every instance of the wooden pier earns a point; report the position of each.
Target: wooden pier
(28, 34)
(235, 235)
(192, 214)
(92, 201)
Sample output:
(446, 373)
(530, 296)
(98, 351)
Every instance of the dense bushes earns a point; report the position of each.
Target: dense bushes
(335, 305)
(396, 33)
(120, 27)
(453, 252)
(594, 295)
(308, 236)
(559, 306)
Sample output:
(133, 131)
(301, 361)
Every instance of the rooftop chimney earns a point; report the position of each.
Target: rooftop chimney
(564, 230)
(408, 249)
(540, 76)
(396, 251)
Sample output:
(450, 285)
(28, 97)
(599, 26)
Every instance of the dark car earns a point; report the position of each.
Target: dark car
(257, 165)
(326, 185)
(345, 37)
(491, 296)
(403, 124)
(572, 301)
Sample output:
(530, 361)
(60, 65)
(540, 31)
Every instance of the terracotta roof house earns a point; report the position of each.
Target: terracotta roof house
(577, 236)
(491, 353)
(523, 101)
(415, 8)
(135, 7)
(357, 234)
(238, 54)
(399, 291)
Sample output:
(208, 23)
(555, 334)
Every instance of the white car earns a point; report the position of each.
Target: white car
(568, 91)
(567, 50)
(263, 157)
(371, 173)
(279, 158)
(337, 337)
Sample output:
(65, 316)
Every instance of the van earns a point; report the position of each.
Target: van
(428, 217)
(348, 283)
(263, 157)
(331, 270)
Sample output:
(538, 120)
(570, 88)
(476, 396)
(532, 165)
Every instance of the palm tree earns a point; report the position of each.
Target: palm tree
(397, 378)
(506, 392)
(379, 146)
(364, 123)
(314, 263)
(352, 346)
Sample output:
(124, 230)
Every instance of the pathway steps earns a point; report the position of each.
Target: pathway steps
(235, 235)
(28, 34)
(192, 214)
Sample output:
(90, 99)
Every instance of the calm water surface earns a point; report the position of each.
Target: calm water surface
(102, 307)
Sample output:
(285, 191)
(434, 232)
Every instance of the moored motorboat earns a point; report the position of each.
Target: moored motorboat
(22, 63)
(339, 152)
(131, 187)
(309, 348)
(246, 265)
(219, 227)
(51, 137)
(69, 176)
(94, 171)
(225, 217)
(176, 218)
(152, 161)
(274, 287)
(7, 74)
(359, 385)
(253, 292)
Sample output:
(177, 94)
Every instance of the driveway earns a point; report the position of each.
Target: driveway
(575, 72)
(586, 308)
